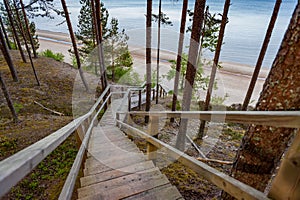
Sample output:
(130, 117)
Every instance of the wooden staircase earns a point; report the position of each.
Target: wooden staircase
(116, 169)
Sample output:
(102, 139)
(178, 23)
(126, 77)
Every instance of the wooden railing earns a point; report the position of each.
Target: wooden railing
(232, 186)
(17, 166)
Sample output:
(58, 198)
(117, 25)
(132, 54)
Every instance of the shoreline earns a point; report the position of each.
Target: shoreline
(233, 78)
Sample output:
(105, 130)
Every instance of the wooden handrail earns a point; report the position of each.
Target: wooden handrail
(289, 119)
(17, 166)
(68, 188)
(223, 181)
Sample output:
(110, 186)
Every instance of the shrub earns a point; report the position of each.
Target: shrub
(56, 56)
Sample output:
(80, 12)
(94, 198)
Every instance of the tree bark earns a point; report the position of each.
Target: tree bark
(7, 57)
(11, 21)
(215, 64)
(63, 2)
(179, 54)
(4, 32)
(191, 69)
(148, 57)
(262, 54)
(262, 147)
(158, 51)
(28, 29)
(19, 24)
(8, 99)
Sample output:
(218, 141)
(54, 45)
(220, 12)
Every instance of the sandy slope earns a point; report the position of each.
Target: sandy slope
(232, 79)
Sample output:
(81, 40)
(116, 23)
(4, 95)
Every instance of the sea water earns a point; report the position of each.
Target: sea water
(245, 32)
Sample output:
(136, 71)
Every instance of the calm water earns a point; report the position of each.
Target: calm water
(245, 32)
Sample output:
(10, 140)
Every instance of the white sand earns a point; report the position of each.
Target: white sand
(232, 79)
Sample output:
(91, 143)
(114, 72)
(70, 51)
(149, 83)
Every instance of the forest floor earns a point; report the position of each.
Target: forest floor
(35, 123)
(55, 93)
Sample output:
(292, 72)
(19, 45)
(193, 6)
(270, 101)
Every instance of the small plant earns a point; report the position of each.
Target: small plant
(18, 107)
(216, 100)
(56, 56)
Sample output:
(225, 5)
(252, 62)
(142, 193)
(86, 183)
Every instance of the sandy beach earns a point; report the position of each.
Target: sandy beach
(233, 79)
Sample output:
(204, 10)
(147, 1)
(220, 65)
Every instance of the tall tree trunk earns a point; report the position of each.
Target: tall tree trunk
(28, 29)
(7, 57)
(100, 50)
(63, 3)
(8, 99)
(148, 57)
(158, 50)
(262, 146)
(179, 54)
(94, 27)
(215, 64)
(191, 69)
(11, 21)
(19, 24)
(4, 32)
(262, 54)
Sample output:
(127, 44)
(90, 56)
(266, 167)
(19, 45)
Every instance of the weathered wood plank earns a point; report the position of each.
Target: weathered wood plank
(289, 119)
(115, 173)
(117, 182)
(166, 192)
(113, 164)
(223, 181)
(286, 184)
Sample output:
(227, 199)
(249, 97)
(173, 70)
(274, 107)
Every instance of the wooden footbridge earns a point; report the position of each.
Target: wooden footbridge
(114, 168)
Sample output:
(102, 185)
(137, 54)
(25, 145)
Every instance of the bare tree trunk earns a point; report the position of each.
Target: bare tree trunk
(94, 31)
(262, 54)
(63, 2)
(191, 69)
(158, 51)
(8, 99)
(148, 57)
(28, 29)
(4, 32)
(11, 21)
(100, 50)
(262, 146)
(179, 54)
(19, 24)
(215, 65)
(7, 57)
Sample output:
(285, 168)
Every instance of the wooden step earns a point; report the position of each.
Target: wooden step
(166, 192)
(108, 152)
(124, 186)
(113, 164)
(115, 173)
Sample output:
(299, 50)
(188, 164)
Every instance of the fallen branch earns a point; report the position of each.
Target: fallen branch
(53, 111)
(196, 147)
(216, 161)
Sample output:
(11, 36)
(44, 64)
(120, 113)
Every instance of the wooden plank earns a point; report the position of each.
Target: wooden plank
(286, 184)
(166, 192)
(123, 144)
(288, 119)
(130, 189)
(223, 181)
(110, 152)
(113, 164)
(124, 186)
(115, 173)
(117, 182)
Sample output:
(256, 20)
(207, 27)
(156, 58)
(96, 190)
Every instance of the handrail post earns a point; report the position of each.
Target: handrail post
(153, 94)
(160, 92)
(129, 101)
(140, 99)
(153, 131)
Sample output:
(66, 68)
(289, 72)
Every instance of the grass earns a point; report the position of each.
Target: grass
(56, 56)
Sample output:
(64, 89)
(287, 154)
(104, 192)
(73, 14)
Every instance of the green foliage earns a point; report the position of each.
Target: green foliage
(56, 56)
(164, 19)
(86, 32)
(211, 30)
(131, 78)
(216, 100)
(18, 107)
